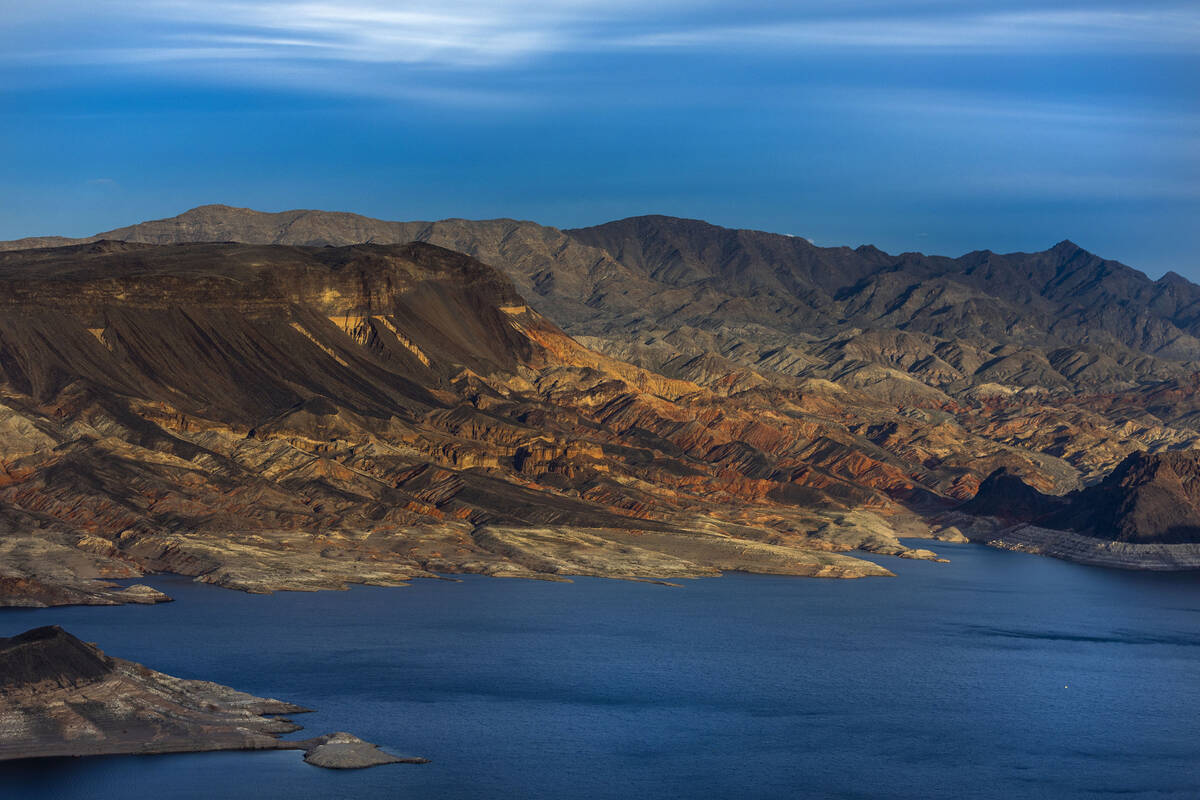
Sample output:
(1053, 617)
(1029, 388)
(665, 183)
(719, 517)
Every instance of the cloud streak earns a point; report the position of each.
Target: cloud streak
(483, 34)
(465, 34)
(1081, 30)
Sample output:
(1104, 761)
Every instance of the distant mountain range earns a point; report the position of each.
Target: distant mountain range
(655, 289)
(307, 398)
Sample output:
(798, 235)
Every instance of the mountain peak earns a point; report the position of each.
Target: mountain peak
(49, 654)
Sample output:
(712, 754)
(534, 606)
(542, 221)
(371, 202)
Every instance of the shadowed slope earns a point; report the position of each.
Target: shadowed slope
(63, 697)
(1147, 499)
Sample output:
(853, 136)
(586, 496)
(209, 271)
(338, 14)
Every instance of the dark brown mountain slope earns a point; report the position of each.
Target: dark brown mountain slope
(885, 379)
(1064, 297)
(300, 417)
(732, 309)
(655, 288)
(1147, 499)
(1144, 515)
(527, 251)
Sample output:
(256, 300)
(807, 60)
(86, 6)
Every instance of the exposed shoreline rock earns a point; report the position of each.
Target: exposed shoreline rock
(376, 412)
(29, 592)
(60, 696)
(288, 415)
(343, 750)
(1077, 547)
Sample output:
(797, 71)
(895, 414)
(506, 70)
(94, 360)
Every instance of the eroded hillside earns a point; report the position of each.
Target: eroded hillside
(288, 413)
(268, 417)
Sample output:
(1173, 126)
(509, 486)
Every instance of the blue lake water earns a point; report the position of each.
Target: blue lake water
(998, 675)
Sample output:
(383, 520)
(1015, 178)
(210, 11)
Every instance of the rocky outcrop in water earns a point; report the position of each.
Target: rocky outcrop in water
(345, 751)
(60, 696)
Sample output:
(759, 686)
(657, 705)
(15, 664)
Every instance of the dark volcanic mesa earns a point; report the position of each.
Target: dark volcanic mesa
(63, 697)
(300, 411)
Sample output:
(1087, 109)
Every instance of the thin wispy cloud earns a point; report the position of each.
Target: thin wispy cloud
(478, 34)
(998, 106)
(472, 33)
(870, 115)
(1086, 186)
(1080, 30)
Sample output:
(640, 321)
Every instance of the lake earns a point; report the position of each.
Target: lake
(998, 675)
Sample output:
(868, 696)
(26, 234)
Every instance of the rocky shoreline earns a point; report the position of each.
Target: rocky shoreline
(60, 696)
(1143, 515)
(1077, 547)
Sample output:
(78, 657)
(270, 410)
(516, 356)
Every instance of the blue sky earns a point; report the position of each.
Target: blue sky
(934, 126)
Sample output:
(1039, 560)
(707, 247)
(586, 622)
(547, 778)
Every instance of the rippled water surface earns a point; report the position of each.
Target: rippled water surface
(999, 675)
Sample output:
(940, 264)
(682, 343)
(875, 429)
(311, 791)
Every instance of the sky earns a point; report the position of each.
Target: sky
(941, 127)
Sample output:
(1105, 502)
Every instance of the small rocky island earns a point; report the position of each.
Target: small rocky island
(60, 696)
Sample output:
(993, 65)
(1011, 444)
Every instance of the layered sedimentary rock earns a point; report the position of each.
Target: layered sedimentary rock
(268, 417)
(60, 696)
(302, 411)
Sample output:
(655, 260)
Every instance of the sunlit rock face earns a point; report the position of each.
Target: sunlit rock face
(299, 411)
(269, 417)
(63, 697)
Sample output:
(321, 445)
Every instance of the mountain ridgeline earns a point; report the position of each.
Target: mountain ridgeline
(1062, 317)
(305, 399)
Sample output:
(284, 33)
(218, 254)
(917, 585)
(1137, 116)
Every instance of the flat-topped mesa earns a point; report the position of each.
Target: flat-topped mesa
(239, 327)
(363, 278)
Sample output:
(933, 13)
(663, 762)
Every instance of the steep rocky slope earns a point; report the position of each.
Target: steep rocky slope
(62, 697)
(1145, 514)
(1147, 499)
(267, 417)
(654, 288)
(717, 380)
